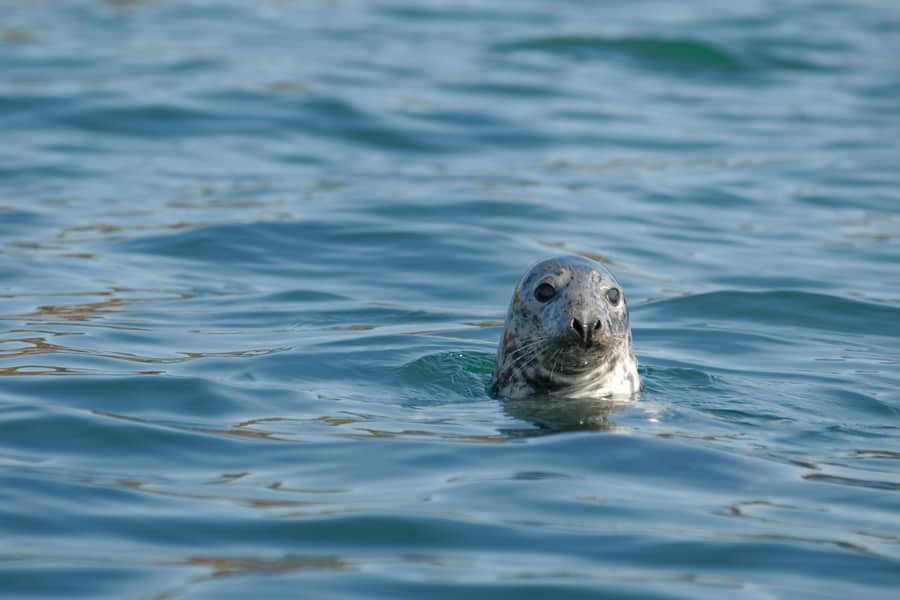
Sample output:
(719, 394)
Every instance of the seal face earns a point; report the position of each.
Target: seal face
(566, 334)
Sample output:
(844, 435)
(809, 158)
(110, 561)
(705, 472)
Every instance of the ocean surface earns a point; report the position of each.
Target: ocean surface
(255, 256)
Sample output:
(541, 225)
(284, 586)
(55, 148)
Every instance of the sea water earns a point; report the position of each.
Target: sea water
(255, 257)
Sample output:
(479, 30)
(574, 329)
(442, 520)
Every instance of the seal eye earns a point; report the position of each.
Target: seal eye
(613, 294)
(544, 292)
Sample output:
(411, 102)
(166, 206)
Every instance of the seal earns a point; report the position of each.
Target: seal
(566, 334)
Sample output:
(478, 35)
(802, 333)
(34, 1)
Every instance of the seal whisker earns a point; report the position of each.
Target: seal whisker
(527, 350)
(555, 361)
(524, 360)
(530, 344)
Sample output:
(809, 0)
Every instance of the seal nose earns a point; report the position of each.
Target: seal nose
(586, 334)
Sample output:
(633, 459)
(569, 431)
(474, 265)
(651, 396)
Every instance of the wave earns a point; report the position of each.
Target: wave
(679, 52)
(780, 308)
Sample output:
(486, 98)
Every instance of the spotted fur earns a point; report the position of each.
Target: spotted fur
(542, 352)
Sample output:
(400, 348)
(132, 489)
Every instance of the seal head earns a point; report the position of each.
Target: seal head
(566, 334)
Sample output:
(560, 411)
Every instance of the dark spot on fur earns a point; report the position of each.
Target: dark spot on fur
(509, 344)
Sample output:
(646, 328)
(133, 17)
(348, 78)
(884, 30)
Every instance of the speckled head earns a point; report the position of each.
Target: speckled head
(566, 333)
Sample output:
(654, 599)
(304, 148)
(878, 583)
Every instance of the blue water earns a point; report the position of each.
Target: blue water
(254, 256)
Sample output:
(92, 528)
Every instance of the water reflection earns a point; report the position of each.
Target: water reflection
(551, 414)
(221, 567)
(218, 567)
(36, 345)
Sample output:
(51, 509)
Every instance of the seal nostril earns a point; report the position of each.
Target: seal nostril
(578, 327)
(598, 325)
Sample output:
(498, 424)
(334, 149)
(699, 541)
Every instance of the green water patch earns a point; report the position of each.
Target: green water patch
(444, 375)
(684, 53)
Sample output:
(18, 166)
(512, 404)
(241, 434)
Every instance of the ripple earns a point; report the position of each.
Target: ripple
(852, 481)
(150, 121)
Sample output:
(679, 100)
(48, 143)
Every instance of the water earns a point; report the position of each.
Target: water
(253, 256)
